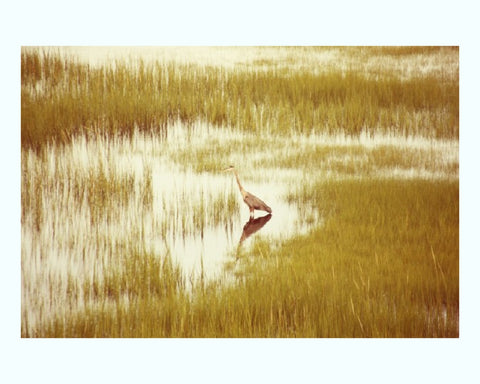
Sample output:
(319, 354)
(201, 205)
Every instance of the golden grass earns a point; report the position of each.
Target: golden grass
(62, 97)
(383, 265)
(119, 161)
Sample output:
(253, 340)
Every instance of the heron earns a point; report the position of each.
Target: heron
(252, 201)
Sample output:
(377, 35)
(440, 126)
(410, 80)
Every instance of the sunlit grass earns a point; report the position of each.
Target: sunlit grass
(382, 266)
(90, 213)
(330, 156)
(62, 98)
(121, 168)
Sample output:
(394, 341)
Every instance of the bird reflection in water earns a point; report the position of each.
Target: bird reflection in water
(254, 225)
(251, 226)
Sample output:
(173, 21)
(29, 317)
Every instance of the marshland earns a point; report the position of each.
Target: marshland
(131, 229)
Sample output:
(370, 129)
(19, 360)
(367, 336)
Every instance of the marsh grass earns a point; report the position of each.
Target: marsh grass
(62, 97)
(383, 263)
(120, 162)
(356, 160)
(382, 266)
(381, 257)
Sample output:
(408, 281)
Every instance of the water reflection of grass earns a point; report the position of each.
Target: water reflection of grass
(382, 265)
(384, 261)
(87, 205)
(189, 214)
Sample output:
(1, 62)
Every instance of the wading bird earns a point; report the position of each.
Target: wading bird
(252, 201)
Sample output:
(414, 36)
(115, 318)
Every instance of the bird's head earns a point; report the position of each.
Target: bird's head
(229, 168)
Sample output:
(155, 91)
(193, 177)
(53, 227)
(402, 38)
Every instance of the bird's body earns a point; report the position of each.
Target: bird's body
(252, 201)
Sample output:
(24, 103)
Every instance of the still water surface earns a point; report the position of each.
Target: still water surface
(208, 249)
(172, 198)
(89, 204)
(203, 249)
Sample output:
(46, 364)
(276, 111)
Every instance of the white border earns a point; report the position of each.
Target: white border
(248, 22)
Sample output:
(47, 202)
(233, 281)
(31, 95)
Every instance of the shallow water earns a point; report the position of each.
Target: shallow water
(87, 204)
(206, 250)
(203, 249)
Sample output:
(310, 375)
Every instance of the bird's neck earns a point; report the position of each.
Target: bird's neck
(242, 191)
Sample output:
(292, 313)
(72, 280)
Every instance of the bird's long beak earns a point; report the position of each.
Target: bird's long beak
(227, 169)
